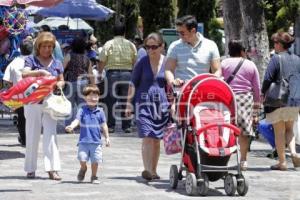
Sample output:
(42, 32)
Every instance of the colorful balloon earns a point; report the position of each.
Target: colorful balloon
(28, 91)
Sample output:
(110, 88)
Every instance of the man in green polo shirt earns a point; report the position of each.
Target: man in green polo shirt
(117, 57)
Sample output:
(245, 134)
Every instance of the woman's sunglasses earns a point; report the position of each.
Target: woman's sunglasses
(153, 47)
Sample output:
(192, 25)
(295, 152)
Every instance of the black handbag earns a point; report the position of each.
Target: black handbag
(278, 92)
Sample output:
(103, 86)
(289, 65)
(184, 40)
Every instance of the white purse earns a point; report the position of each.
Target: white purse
(58, 106)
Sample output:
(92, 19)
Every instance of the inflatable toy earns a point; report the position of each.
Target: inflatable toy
(28, 91)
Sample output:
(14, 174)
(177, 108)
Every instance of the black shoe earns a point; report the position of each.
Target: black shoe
(273, 155)
(127, 130)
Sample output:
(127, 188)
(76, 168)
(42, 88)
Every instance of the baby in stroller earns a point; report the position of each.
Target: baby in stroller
(206, 112)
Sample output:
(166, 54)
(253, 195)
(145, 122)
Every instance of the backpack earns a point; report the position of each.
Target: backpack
(294, 79)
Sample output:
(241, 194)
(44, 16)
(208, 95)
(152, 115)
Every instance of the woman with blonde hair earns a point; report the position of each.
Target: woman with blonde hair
(42, 64)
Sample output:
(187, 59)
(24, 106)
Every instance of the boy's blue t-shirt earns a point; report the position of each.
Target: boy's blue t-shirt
(91, 120)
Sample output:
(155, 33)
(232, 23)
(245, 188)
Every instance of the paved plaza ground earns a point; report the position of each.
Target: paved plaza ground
(120, 174)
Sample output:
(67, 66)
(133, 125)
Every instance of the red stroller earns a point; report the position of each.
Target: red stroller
(206, 112)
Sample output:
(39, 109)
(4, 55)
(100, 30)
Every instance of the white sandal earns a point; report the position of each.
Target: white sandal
(244, 165)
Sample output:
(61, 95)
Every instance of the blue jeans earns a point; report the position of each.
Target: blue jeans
(117, 90)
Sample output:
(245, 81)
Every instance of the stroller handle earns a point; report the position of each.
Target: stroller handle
(235, 129)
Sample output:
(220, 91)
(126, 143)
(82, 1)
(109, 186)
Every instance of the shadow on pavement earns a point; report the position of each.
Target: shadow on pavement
(163, 184)
(10, 145)
(75, 182)
(21, 178)
(14, 190)
(5, 155)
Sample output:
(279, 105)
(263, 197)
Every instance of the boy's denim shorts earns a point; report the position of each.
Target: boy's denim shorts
(92, 152)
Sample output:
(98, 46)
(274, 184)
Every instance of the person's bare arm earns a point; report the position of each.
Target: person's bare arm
(130, 94)
(106, 134)
(72, 126)
(101, 66)
(66, 61)
(90, 74)
(27, 72)
(170, 71)
(60, 81)
(215, 66)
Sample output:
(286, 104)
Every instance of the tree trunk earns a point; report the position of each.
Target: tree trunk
(256, 37)
(233, 24)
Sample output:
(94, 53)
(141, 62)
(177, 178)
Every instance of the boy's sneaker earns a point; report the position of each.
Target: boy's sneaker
(81, 174)
(95, 180)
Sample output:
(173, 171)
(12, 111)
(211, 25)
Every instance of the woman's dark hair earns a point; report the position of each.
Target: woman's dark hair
(188, 20)
(235, 48)
(78, 45)
(284, 38)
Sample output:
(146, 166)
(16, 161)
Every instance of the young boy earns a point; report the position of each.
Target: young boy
(92, 124)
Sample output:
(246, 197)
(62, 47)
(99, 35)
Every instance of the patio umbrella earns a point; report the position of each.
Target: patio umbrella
(85, 9)
(55, 22)
(42, 3)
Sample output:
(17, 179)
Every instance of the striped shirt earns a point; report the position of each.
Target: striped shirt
(118, 53)
(193, 60)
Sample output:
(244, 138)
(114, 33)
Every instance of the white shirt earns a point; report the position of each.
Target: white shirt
(13, 72)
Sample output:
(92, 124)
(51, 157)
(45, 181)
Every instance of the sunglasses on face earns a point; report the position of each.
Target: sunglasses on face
(153, 47)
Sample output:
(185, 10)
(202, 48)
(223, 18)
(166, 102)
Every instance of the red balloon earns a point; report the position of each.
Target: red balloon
(27, 91)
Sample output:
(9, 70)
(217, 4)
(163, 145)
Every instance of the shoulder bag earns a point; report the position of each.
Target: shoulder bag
(237, 68)
(278, 92)
(58, 106)
(172, 139)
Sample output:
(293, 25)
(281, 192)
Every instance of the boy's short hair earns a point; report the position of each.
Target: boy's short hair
(90, 89)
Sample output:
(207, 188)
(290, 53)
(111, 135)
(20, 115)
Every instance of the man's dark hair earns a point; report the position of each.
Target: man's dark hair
(45, 28)
(235, 48)
(119, 30)
(26, 47)
(188, 20)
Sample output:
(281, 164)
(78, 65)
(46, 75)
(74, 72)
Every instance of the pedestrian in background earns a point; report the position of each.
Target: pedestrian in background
(78, 73)
(117, 58)
(141, 51)
(246, 87)
(42, 64)
(283, 118)
(150, 102)
(13, 74)
(92, 122)
(57, 52)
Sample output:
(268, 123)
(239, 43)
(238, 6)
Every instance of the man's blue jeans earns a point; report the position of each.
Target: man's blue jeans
(117, 90)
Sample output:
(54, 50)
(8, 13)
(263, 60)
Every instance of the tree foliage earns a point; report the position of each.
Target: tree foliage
(156, 14)
(203, 10)
(280, 14)
(129, 12)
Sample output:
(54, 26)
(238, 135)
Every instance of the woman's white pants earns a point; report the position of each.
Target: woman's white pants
(35, 120)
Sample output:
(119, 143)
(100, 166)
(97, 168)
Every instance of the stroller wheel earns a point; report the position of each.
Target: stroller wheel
(242, 185)
(203, 186)
(230, 184)
(191, 184)
(173, 176)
